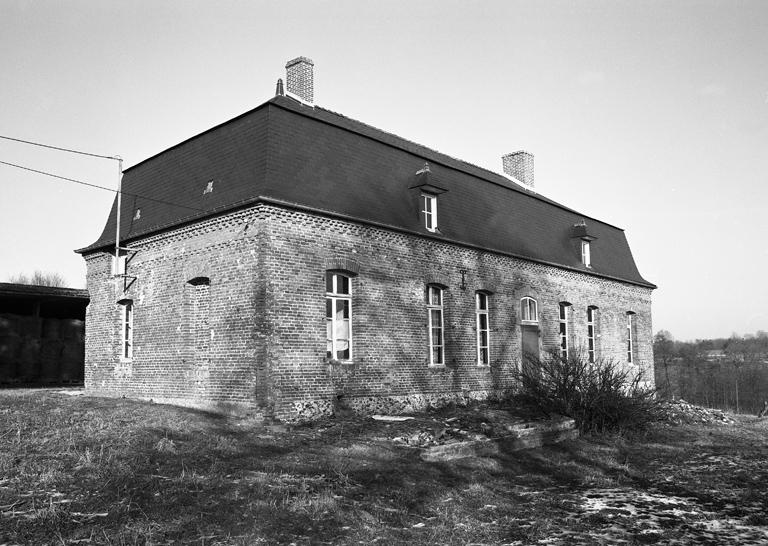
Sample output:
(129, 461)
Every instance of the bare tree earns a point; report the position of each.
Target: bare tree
(39, 278)
(664, 352)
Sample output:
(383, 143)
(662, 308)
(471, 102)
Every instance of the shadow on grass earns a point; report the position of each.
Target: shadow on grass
(125, 472)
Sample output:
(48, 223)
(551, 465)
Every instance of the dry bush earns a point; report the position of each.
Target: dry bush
(600, 396)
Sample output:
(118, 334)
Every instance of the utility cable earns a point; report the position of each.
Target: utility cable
(57, 148)
(100, 187)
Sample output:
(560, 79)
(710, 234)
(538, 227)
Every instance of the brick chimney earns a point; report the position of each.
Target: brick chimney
(299, 79)
(519, 165)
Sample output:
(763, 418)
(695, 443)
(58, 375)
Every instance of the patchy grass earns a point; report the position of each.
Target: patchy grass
(82, 470)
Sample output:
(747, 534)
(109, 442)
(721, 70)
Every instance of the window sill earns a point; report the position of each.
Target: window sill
(335, 362)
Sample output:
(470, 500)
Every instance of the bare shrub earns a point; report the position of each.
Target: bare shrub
(600, 396)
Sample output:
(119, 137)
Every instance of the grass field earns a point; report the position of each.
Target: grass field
(82, 470)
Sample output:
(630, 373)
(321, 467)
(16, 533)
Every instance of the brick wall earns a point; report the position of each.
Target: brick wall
(266, 348)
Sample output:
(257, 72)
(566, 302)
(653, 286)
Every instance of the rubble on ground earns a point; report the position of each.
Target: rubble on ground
(481, 423)
(426, 437)
(679, 412)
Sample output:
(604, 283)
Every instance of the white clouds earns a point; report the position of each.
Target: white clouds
(589, 78)
(712, 90)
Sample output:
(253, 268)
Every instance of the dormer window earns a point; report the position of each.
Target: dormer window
(429, 211)
(586, 258)
(582, 238)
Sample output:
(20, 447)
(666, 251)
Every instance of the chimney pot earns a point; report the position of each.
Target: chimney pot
(299, 79)
(279, 89)
(519, 165)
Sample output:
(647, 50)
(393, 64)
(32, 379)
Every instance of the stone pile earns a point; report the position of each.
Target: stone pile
(440, 435)
(680, 412)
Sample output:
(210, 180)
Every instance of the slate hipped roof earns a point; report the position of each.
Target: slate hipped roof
(297, 155)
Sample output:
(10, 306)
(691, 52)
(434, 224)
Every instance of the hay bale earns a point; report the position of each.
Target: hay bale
(9, 353)
(72, 361)
(28, 364)
(51, 328)
(72, 329)
(50, 360)
(30, 326)
(8, 326)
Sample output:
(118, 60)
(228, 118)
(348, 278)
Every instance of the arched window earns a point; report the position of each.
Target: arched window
(591, 332)
(482, 300)
(529, 310)
(338, 315)
(435, 325)
(126, 323)
(564, 318)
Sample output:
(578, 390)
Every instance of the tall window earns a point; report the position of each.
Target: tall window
(199, 317)
(591, 333)
(338, 316)
(429, 211)
(586, 258)
(435, 325)
(630, 347)
(565, 311)
(127, 329)
(529, 310)
(483, 335)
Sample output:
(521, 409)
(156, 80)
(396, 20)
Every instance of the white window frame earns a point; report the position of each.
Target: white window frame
(564, 310)
(592, 333)
(333, 297)
(429, 211)
(586, 253)
(482, 309)
(630, 339)
(526, 305)
(126, 327)
(435, 305)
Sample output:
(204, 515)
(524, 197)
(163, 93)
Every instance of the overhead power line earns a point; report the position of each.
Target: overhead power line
(100, 187)
(58, 148)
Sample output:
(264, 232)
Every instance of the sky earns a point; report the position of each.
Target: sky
(651, 116)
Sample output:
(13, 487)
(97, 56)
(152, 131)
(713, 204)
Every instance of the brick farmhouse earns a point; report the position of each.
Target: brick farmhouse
(292, 259)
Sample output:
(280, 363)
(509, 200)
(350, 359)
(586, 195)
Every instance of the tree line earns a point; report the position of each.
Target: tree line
(726, 373)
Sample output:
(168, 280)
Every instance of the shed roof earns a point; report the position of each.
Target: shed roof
(293, 154)
(42, 292)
